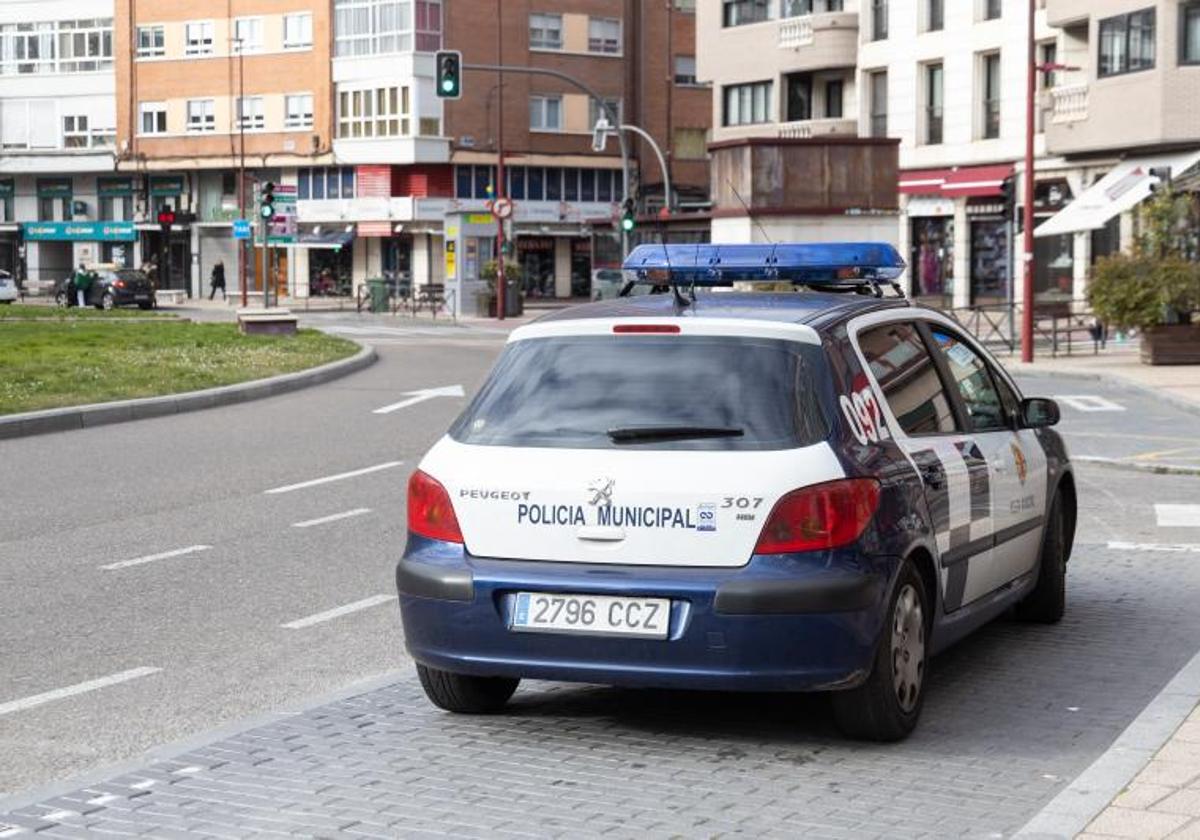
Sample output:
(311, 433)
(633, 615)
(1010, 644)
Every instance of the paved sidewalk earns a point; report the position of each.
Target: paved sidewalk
(1178, 383)
(1163, 800)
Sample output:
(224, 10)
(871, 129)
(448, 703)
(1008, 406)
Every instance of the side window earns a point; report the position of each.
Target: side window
(974, 381)
(905, 371)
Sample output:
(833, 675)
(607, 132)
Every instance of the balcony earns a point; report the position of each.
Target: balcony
(807, 129)
(822, 39)
(1068, 103)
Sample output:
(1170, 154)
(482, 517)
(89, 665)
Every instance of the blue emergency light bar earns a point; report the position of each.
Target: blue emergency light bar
(837, 264)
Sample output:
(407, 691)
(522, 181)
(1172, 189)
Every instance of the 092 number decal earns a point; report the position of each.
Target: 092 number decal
(863, 416)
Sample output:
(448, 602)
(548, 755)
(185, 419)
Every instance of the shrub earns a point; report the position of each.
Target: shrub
(1142, 291)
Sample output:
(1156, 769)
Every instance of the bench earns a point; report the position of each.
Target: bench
(432, 295)
(273, 321)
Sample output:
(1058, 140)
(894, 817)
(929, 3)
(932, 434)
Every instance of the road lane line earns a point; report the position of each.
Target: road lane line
(1174, 548)
(72, 690)
(338, 612)
(288, 488)
(346, 514)
(1177, 516)
(150, 558)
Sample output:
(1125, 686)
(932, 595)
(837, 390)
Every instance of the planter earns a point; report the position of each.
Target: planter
(1173, 344)
(485, 303)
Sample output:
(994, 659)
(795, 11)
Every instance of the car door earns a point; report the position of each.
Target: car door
(1015, 462)
(928, 426)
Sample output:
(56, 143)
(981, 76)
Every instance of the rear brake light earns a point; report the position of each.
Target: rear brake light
(430, 512)
(821, 516)
(120, 284)
(646, 328)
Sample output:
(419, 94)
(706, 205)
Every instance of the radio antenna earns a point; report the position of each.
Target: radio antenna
(757, 224)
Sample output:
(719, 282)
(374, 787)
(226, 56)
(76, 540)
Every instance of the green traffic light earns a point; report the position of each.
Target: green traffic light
(627, 223)
(448, 85)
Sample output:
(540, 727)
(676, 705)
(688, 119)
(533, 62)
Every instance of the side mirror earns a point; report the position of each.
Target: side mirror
(1038, 412)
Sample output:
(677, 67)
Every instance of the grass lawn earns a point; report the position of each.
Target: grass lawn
(38, 312)
(47, 364)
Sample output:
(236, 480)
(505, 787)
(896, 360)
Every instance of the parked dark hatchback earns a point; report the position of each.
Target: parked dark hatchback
(112, 287)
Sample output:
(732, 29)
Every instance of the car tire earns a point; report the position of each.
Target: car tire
(143, 306)
(1047, 603)
(465, 694)
(887, 706)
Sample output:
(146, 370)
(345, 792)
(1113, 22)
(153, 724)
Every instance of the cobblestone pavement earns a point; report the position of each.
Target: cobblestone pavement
(1013, 714)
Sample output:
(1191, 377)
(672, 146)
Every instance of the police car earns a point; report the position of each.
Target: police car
(804, 490)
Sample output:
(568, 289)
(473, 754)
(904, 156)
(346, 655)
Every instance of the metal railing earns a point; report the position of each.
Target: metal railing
(1064, 328)
(823, 127)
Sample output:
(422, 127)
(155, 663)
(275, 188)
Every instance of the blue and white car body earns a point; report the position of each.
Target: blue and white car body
(790, 491)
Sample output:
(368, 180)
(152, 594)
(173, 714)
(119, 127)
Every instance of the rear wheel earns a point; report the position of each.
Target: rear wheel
(464, 693)
(886, 707)
(143, 306)
(1048, 600)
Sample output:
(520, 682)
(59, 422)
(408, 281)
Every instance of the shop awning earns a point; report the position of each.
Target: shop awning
(325, 237)
(1126, 186)
(967, 181)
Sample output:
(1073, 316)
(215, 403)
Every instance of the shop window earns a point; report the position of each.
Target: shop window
(1054, 269)
(989, 261)
(933, 258)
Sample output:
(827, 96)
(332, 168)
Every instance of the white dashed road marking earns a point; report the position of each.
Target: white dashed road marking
(334, 517)
(1089, 402)
(71, 690)
(415, 397)
(338, 612)
(1178, 516)
(288, 488)
(1172, 548)
(150, 558)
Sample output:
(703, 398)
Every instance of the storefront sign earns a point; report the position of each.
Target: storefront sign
(539, 243)
(79, 231)
(161, 185)
(995, 208)
(54, 188)
(451, 262)
(241, 229)
(480, 219)
(114, 186)
(929, 205)
(283, 227)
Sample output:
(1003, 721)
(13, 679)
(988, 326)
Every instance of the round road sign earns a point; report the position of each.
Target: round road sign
(502, 208)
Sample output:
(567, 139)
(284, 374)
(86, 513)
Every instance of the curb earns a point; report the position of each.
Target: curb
(190, 743)
(1135, 466)
(120, 411)
(1070, 812)
(1182, 403)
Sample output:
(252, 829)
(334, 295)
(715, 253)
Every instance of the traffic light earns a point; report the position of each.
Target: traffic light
(1006, 191)
(267, 201)
(166, 218)
(628, 216)
(449, 74)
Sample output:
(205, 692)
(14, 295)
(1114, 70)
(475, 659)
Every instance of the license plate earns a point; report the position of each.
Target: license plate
(141, 297)
(592, 615)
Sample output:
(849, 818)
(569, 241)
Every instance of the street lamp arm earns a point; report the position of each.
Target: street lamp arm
(662, 161)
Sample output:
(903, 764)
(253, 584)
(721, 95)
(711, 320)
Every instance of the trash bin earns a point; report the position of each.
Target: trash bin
(515, 302)
(379, 294)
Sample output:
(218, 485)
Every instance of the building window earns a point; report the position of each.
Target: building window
(545, 32)
(878, 86)
(604, 35)
(1189, 35)
(688, 6)
(250, 114)
(375, 112)
(834, 94)
(201, 116)
(990, 118)
(747, 104)
(879, 20)
(935, 19)
(992, 9)
(545, 113)
(800, 8)
(84, 46)
(297, 31)
(247, 35)
(324, 182)
(933, 103)
(689, 143)
(685, 69)
(154, 117)
(377, 27)
(1127, 43)
(595, 112)
(298, 110)
(68, 46)
(198, 38)
(75, 132)
(151, 42)
(799, 97)
(742, 12)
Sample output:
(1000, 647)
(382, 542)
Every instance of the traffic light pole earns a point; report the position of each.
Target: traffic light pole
(609, 112)
(1027, 252)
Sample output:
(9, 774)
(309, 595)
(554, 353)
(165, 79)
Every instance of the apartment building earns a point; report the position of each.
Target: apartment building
(59, 201)
(1125, 115)
(208, 91)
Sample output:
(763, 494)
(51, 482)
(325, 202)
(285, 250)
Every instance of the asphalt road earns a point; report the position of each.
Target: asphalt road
(1013, 713)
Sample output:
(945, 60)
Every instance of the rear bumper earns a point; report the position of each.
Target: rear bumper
(787, 622)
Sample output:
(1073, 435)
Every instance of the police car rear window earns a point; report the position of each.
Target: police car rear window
(603, 392)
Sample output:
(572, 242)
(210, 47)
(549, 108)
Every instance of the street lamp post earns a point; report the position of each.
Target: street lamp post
(241, 243)
(1027, 253)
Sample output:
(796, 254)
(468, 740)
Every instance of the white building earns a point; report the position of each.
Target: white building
(57, 132)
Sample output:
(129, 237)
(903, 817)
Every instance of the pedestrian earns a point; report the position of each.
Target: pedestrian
(83, 282)
(218, 281)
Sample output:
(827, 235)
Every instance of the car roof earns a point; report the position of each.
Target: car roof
(817, 309)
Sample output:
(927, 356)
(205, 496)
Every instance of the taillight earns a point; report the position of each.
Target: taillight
(646, 328)
(430, 512)
(120, 284)
(821, 516)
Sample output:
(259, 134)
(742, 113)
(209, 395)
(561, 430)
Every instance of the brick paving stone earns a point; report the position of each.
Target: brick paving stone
(1144, 825)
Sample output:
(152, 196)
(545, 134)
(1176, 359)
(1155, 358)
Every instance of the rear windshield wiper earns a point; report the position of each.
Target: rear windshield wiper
(630, 434)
